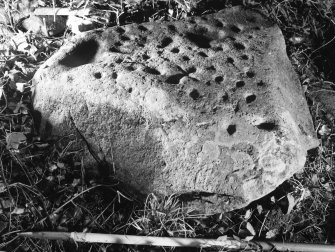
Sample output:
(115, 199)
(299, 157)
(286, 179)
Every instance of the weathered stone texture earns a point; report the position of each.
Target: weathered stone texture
(210, 105)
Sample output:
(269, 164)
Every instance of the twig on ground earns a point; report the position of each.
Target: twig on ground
(137, 240)
(229, 244)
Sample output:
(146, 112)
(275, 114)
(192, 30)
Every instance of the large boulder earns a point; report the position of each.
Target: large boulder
(209, 108)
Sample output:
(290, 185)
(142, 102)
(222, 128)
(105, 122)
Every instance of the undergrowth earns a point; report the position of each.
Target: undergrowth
(45, 187)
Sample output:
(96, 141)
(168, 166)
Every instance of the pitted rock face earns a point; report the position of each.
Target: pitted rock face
(209, 107)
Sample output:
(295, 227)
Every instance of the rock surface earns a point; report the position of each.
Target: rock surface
(209, 108)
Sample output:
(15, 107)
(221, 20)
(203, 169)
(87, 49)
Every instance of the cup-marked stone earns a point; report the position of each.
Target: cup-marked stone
(209, 108)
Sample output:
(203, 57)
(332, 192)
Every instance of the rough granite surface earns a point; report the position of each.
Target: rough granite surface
(209, 108)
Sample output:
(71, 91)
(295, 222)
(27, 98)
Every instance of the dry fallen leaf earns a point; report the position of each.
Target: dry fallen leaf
(14, 139)
(251, 229)
(13, 75)
(18, 211)
(20, 86)
(271, 233)
(328, 187)
(259, 209)
(325, 130)
(315, 179)
(247, 214)
(297, 40)
(21, 66)
(291, 203)
(50, 178)
(3, 187)
(75, 182)
(60, 178)
(328, 168)
(60, 165)
(307, 194)
(248, 238)
(53, 167)
(171, 12)
(6, 203)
